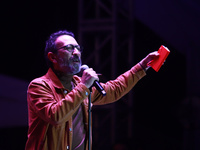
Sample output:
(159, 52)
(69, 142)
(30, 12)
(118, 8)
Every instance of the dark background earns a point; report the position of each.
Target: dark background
(166, 104)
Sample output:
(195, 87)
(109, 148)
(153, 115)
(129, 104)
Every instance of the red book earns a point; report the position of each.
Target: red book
(158, 61)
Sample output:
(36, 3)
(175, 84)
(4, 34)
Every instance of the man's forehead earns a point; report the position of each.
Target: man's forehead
(64, 40)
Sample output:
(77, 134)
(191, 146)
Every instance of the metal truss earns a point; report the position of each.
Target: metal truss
(106, 31)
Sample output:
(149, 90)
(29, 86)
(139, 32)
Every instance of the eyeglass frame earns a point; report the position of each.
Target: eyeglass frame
(78, 47)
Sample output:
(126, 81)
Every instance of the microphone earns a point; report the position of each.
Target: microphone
(96, 83)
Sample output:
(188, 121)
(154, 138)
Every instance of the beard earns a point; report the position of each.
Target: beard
(71, 66)
(74, 68)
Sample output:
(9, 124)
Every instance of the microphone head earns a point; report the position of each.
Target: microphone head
(83, 67)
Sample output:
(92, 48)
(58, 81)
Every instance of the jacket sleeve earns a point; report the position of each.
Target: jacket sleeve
(49, 106)
(117, 88)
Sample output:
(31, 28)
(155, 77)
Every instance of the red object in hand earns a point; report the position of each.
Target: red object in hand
(158, 61)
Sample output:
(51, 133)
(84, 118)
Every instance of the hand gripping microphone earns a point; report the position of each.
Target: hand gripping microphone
(96, 83)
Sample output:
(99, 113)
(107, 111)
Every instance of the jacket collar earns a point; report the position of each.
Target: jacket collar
(54, 79)
(56, 82)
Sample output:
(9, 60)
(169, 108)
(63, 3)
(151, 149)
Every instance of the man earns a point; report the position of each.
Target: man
(58, 101)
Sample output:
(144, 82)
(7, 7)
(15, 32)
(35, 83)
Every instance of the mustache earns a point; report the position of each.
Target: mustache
(75, 58)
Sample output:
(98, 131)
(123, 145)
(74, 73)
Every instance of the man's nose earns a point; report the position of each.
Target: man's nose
(76, 51)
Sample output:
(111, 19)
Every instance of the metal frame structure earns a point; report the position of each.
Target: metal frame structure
(106, 31)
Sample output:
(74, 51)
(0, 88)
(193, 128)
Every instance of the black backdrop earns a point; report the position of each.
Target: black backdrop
(25, 28)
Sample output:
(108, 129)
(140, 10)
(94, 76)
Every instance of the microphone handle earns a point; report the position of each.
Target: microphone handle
(99, 87)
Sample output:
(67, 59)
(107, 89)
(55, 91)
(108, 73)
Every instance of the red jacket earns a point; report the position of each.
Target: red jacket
(51, 107)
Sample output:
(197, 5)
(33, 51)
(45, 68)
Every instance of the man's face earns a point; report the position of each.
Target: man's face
(67, 62)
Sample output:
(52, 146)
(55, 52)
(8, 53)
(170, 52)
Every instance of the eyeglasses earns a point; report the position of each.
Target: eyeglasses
(71, 47)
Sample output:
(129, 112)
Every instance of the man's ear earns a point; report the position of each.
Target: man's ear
(52, 57)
